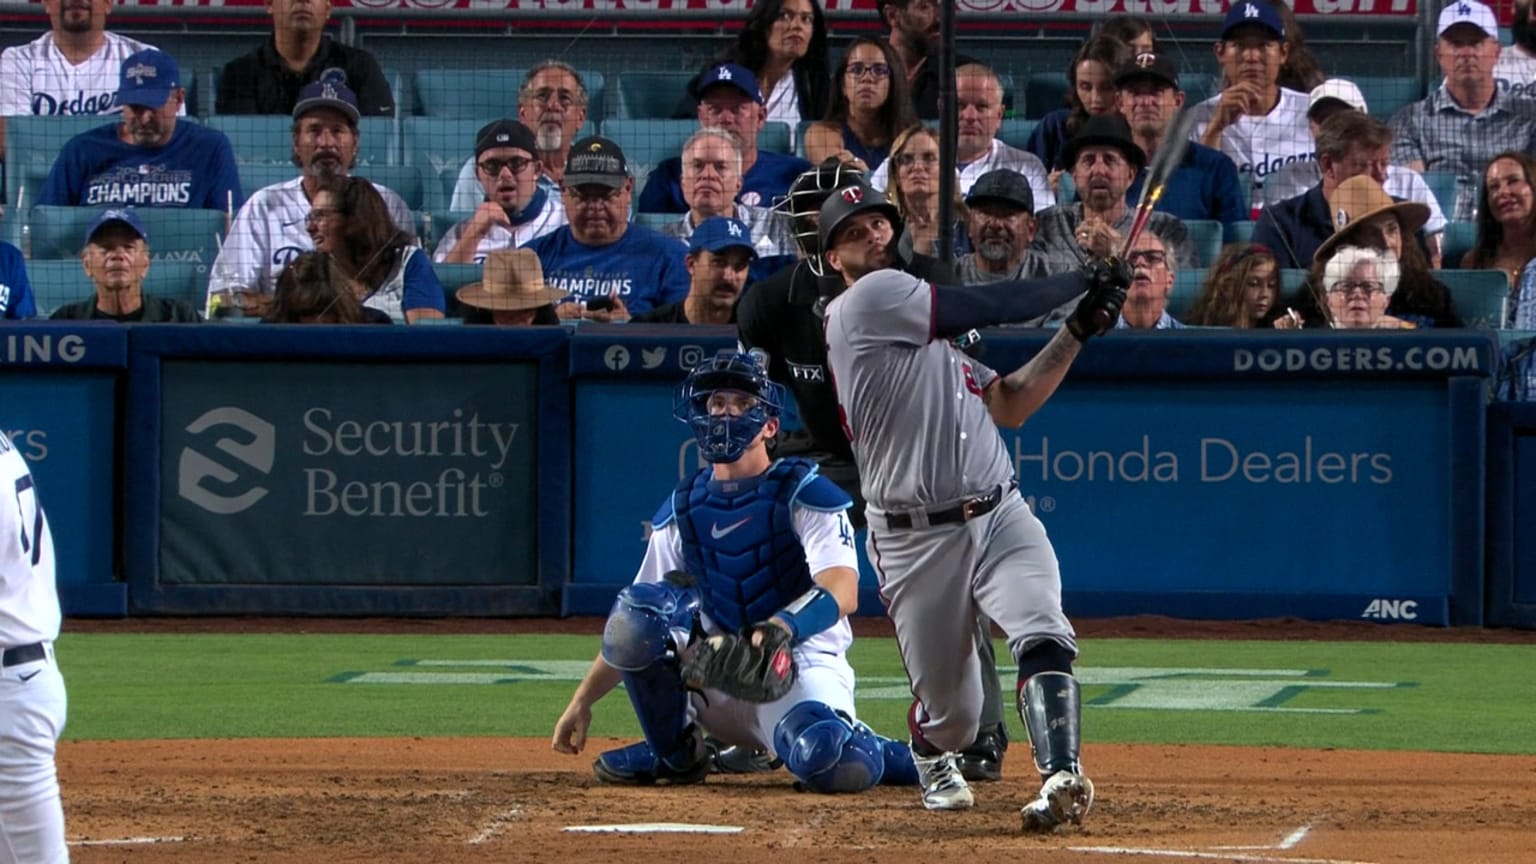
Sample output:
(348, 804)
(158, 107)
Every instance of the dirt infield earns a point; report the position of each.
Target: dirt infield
(499, 800)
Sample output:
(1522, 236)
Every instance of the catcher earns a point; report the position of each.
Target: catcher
(737, 621)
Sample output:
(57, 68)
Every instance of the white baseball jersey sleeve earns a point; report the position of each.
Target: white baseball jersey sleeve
(911, 403)
(821, 535)
(29, 599)
(269, 231)
(36, 78)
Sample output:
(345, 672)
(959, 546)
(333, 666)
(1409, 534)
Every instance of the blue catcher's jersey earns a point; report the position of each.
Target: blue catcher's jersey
(739, 540)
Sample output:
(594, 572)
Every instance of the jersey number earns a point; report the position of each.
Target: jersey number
(33, 544)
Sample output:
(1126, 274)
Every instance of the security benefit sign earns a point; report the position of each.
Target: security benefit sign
(348, 474)
(1312, 498)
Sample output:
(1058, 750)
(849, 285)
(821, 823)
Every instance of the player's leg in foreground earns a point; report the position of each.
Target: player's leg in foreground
(983, 759)
(640, 639)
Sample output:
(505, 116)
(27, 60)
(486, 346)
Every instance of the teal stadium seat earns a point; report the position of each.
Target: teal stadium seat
(1458, 240)
(486, 92)
(1482, 296)
(1186, 287)
(1242, 232)
(454, 277)
(175, 234)
(407, 181)
(1205, 235)
(640, 95)
(61, 281)
(1385, 95)
(1444, 186)
(656, 221)
(1197, 87)
(1044, 92)
(269, 138)
(1016, 130)
(32, 145)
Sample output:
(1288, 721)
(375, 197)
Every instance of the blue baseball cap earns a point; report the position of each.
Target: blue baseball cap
(148, 78)
(123, 216)
(1258, 12)
(328, 93)
(732, 75)
(719, 233)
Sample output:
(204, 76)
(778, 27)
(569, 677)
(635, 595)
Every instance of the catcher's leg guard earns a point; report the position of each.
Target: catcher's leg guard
(826, 751)
(639, 630)
(638, 640)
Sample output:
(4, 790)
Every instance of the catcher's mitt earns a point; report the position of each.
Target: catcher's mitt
(736, 667)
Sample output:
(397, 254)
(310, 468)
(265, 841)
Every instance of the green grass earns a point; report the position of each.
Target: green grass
(1458, 698)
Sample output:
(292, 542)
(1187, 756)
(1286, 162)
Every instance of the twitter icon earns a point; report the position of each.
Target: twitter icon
(650, 358)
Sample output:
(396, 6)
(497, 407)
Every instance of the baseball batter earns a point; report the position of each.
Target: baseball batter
(747, 543)
(32, 701)
(949, 534)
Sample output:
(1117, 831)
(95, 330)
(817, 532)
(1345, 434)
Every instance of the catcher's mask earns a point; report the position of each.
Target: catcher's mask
(803, 205)
(727, 400)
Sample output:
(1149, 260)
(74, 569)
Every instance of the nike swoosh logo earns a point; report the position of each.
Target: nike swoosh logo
(293, 223)
(26, 678)
(717, 532)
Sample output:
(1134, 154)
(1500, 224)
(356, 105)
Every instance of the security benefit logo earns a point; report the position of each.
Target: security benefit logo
(327, 463)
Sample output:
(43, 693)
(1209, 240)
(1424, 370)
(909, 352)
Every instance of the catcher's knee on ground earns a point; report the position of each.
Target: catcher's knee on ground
(639, 630)
(826, 751)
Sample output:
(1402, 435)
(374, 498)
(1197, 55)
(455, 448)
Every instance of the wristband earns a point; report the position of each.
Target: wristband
(810, 613)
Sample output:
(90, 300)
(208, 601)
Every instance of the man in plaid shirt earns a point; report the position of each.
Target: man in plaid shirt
(1463, 124)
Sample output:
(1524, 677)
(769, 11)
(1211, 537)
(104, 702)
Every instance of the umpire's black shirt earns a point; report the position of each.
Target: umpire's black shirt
(779, 315)
(260, 82)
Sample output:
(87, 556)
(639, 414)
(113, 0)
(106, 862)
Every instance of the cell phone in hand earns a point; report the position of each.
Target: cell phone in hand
(600, 304)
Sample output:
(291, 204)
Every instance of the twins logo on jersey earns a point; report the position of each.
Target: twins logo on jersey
(145, 185)
(47, 104)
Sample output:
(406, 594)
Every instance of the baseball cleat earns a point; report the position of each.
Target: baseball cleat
(638, 765)
(1066, 797)
(983, 760)
(944, 788)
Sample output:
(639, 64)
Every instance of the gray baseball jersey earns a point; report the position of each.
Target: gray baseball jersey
(911, 402)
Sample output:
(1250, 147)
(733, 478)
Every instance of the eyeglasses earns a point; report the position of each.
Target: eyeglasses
(1347, 288)
(1149, 257)
(493, 167)
(877, 71)
(906, 160)
(589, 195)
(315, 214)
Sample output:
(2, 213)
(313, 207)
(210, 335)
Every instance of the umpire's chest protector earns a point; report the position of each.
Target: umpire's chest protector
(740, 543)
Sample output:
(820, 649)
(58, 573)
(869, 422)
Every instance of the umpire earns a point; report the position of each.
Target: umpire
(782, 316)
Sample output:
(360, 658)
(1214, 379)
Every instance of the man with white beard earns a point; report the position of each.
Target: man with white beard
(553, 103)
(1001, 229)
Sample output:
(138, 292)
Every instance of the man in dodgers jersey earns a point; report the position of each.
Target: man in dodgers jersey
(949, 534)
(71, 69)
(269, 231)
(32, 699)
(1259, 124)
(747, 542)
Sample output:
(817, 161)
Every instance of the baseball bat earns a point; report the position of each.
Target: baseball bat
(1170, 153)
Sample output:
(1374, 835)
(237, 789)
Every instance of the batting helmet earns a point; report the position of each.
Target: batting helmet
(850, 201)
(723, 436)
(803, 204)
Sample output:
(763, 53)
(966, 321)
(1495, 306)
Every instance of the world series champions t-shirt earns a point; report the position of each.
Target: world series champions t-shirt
(643, 267)
(36, 78)
(1261, 146)
(196, 168)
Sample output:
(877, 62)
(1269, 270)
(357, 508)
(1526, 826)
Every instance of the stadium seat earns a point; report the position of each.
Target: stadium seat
(1445, 187)
(647, 142)
(1386, 95)
(1458, 240)
(454, 277)
(1482, 296)
(486, 92)
(640, 95)
(1044, 92)
(1242, 232)
(269, 138)
(175, 234)
(1205, 235)
(774, 138)
(1186, 287)
(1197, 86)
(32, 145)
(61, 281)
(656, 221)
(1016, 130)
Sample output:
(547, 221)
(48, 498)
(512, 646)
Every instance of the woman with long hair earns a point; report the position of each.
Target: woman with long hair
(311, 290)
(914, 189)
(1090, 92)
(1242, 290)
(1301, 70)
(870, 106)
(784, 43)
(1133, 30)
(1506, 217)
(349, 220)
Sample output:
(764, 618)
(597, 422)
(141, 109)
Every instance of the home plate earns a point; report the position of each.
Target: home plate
(656, 828)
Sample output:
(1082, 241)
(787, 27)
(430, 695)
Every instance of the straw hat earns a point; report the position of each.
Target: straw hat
(513, 279)
(1360, 199)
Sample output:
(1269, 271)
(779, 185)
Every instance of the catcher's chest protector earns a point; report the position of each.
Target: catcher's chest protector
(740, 544)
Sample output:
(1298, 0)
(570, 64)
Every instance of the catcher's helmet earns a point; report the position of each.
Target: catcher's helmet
(850, 201)
(723, 436)
(803, 204)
